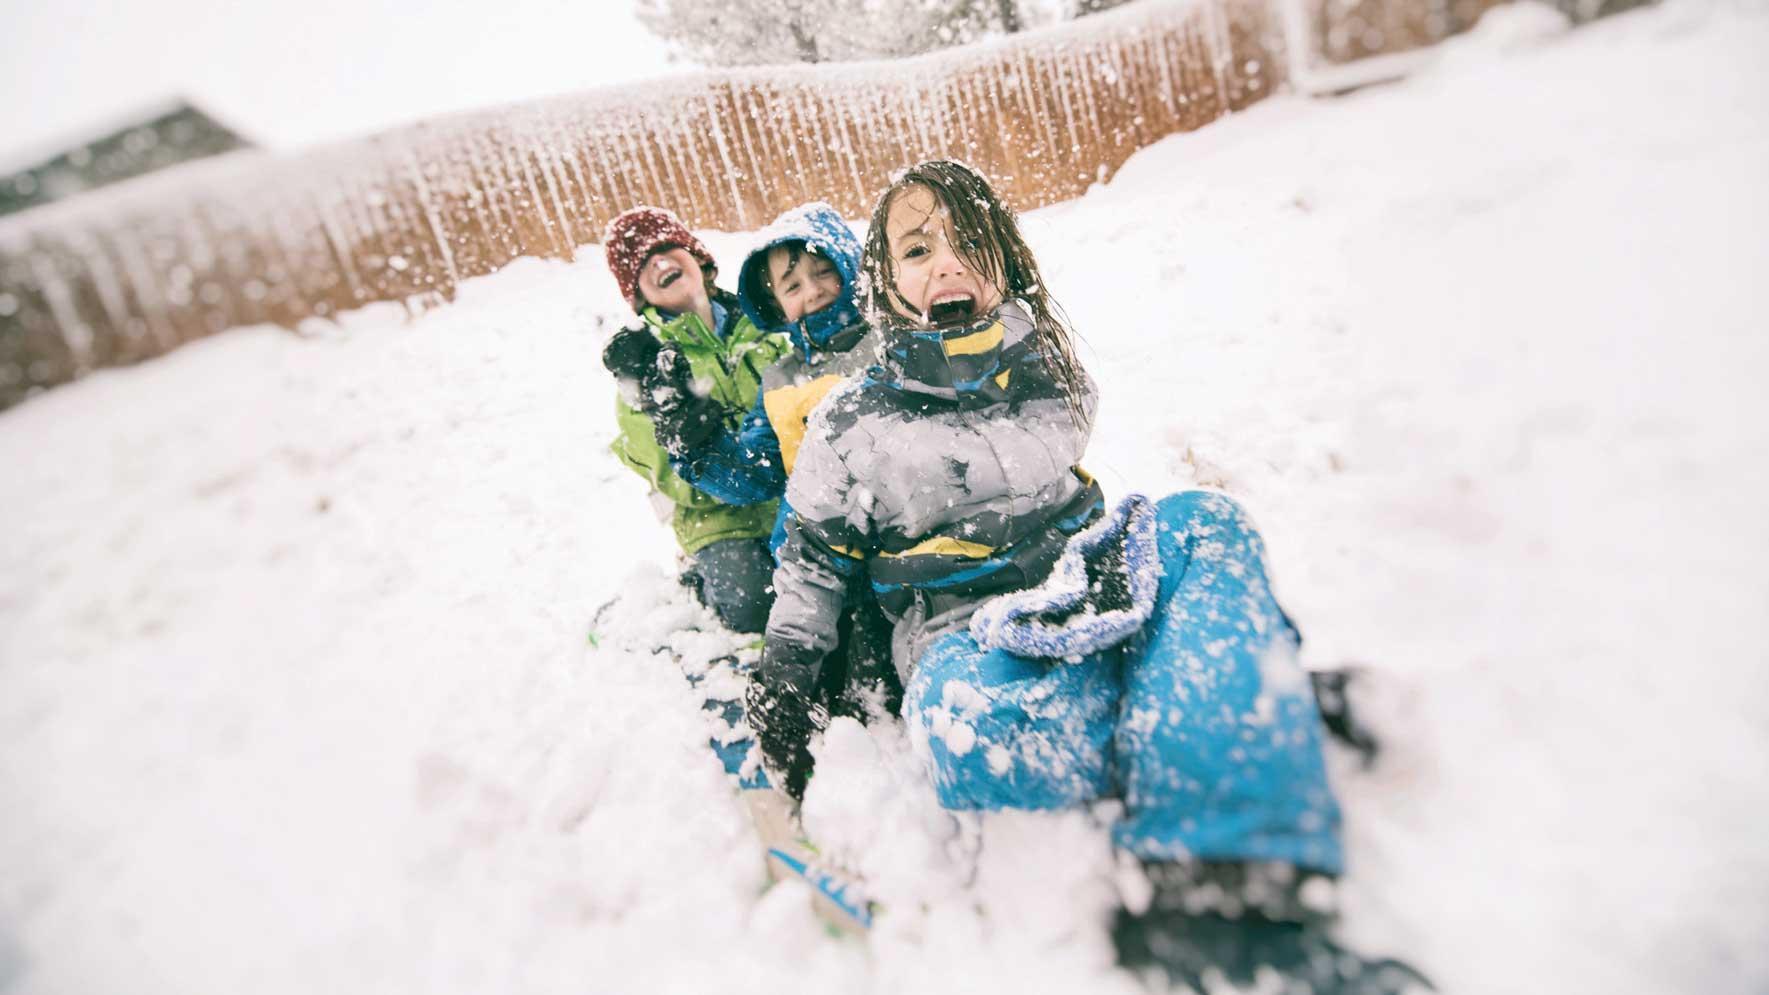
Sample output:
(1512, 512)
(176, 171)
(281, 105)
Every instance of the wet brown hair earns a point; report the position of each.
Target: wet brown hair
(987, 237)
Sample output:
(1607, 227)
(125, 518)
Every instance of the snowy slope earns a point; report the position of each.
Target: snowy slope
(296, 693)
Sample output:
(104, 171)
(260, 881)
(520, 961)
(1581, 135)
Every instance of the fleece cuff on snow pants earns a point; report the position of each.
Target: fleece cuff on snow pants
(1099, 594)
(1203, 723)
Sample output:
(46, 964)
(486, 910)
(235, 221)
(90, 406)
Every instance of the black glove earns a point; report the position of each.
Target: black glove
(685, 426)
(681, 418)
(631, 353)
(663, 388)
(659, 371)
(784, 714)
(669, 383)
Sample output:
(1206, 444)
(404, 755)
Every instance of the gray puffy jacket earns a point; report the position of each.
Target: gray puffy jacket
(948, 473)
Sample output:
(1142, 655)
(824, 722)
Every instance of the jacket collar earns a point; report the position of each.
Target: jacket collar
(970, 365)
(819, 330)
(842, 340)
(686, 327)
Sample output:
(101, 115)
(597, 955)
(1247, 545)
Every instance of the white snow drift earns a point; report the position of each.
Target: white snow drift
(297, 694)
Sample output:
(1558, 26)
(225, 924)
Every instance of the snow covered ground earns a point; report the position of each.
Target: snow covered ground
(296, 692)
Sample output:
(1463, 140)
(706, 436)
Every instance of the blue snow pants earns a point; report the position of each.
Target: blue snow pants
(1204, 722)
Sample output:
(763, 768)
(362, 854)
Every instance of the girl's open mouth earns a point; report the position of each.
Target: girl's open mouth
(668, 277)
(946, 310)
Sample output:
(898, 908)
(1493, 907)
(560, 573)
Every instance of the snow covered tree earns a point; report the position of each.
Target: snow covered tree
(759, 32)
(1082, 8)
(736, 32)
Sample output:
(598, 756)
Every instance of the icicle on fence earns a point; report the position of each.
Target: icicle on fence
(127, 273)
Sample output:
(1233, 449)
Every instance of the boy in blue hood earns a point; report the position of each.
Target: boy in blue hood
(800, 281)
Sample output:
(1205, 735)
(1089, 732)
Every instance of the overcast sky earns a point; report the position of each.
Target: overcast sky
(292, 74)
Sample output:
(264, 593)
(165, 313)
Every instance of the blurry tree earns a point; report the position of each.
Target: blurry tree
(755, 32)
(1083, 7)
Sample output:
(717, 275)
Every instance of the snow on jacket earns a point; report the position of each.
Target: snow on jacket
(948, 473)
(751, 464)
(730, 364)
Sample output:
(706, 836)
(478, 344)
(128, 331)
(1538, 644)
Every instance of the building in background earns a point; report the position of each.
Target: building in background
(149, 140)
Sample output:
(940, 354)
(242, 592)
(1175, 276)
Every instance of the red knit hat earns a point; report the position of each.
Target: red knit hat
(639, 232)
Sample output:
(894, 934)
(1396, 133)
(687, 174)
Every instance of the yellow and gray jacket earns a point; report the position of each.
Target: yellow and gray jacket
(947, 473)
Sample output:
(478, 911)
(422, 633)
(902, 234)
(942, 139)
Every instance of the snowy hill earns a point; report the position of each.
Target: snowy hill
(296, 692)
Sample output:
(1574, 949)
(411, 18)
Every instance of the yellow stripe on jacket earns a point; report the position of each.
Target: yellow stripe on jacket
(945, 546)
(789, 408)
(976, 342)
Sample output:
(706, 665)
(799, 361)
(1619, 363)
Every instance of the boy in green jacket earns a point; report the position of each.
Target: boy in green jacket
(690, 367)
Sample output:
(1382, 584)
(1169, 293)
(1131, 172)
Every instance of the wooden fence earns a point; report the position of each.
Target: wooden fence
(123, 274)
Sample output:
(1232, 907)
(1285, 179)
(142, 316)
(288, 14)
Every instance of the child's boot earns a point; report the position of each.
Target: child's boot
(1249, 924)
(1332, 694)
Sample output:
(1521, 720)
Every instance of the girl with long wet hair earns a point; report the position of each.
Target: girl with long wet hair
(1056, 651)
(992, 247)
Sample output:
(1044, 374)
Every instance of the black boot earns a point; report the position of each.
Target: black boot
(1331, 695)
(690, 578)
(1235, 922)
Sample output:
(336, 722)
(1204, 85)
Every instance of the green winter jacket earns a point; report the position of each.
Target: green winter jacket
(732, 366)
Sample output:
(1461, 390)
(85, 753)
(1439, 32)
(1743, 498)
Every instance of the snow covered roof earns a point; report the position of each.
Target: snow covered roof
(151, 137)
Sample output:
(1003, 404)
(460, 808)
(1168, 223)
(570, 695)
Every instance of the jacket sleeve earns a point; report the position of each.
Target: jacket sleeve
(740, 468)
(788, 695)
(827, 536)
(637, 447)
(810, 585)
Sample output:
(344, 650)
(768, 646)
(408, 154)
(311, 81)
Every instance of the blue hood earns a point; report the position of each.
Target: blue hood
(818, 226)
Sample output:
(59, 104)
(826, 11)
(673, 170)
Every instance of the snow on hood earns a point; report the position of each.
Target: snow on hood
(821, 228)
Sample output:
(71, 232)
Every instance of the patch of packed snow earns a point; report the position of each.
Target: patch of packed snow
(298, 690)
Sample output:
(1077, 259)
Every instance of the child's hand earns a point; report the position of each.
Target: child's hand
(668, 383)
(784, 717)
(631, 353)
(682, 419)
(656, 379)
(685, 426)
